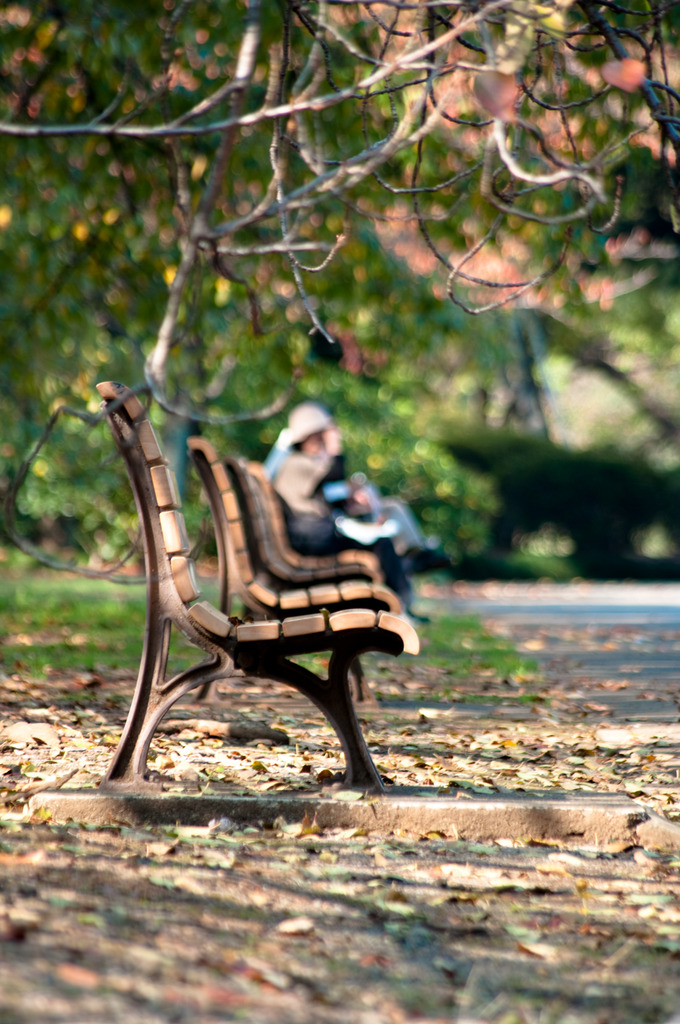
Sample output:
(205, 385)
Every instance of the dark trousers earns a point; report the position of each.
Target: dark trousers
(316, 535)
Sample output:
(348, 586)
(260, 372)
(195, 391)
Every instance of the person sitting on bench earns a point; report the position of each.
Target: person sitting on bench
(325, 513)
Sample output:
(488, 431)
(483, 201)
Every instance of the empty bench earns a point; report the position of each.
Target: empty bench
(261, 649)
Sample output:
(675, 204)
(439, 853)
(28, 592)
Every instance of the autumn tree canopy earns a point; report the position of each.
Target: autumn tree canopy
(202, 197)
(190, 174)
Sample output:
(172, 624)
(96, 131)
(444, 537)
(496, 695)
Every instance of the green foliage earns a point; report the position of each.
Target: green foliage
(600, 499)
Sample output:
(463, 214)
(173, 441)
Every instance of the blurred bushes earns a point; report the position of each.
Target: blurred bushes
(502, 504)
(594, 507)
(76, 501)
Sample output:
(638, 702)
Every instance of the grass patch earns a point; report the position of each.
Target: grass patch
(51, 622)
(464, 647)
(54, 622)
(59, 623)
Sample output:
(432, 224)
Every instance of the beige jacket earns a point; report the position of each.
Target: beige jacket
(297, 480)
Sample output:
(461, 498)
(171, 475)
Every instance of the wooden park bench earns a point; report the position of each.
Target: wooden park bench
(250, 570)
(260, 649)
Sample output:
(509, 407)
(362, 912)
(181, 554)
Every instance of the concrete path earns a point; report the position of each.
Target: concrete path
(581, 602)
(588, 631)
(611, 651)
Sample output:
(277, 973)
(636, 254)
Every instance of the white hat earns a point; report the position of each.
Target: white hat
(306, 419)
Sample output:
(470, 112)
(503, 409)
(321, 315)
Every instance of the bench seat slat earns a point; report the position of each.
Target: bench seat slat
(352, 618)
(231, 509)
(184, 575)
(355, 556)
(396, 624)
(263, 594)
(221, 478)
(355, 590)
(290, 599)
(174, 532)
(323, 593)
(210, 618)
(149, 442)
(238, 536)
(302, 625)
(202, 444)
(245, 569)
(110, 389)
(248, 631)
(165, 487)
(384, 593)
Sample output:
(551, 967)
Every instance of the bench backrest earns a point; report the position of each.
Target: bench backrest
(238, 573)
(172, 584)
(363, 564)
(248, 576)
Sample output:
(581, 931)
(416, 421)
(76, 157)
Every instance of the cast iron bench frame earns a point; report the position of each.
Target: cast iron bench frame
(261, 649)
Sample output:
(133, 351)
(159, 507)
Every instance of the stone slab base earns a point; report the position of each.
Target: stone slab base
(592, 819)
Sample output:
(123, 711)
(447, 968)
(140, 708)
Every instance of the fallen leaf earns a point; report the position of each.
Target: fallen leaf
(78, 976)
(160, 849)
(551, 869)
(374, 960)
(15, 925)
(534, 645)
(296, 926)
(618, 846)
(539, 949)
(306, 827)
(31, 732)
(32, 857)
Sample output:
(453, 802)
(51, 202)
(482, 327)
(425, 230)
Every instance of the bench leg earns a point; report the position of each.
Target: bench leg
(208, 694)
(332, 696)
(153, 698)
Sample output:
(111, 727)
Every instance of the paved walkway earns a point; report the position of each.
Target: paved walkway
(616, 644)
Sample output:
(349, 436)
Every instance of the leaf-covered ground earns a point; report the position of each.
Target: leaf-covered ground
(294, 924)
